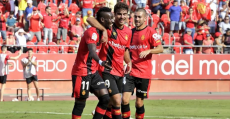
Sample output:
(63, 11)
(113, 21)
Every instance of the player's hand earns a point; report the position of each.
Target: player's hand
(104, 37)
(20, 53)
(192, 45)
(128, 68)
(143, 54)
(106, 65)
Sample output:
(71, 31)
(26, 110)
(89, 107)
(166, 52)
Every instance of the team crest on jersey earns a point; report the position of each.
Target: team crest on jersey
(126, 37)
(83, 92)
(142, 37)
(114, 33)
(94, 36)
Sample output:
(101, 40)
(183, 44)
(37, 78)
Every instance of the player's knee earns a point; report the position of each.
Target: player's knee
(125, 101)
(104, 99)
(139, 103)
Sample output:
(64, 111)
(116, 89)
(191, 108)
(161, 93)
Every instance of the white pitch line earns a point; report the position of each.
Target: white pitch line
(165, 117)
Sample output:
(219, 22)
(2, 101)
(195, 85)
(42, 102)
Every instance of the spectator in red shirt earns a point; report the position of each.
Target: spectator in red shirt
(47, 20)
(63, 26)
(184, 13)
(77, 30)
(188, 41)
(207, 42)
(3, 26)
(87, 5)
(35, 17)
(191, 20)
(200, 36)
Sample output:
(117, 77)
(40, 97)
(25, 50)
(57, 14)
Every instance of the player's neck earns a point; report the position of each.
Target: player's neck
(141, 27)
(119, 25)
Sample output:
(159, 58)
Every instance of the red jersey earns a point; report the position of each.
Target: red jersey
(87, 3)
(200, 36)
(64, 21)
(47, 20)
(143, 40)
(35, 23)
(188, 38)
(113, 52)
(169, 5)
(190, 23)
(84, 64)
(184, 12)
(2, 23)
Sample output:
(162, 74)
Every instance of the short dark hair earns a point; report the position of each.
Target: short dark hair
(79, 12)
(47, 7)
(100, 11)
(120, 5)
(11, 13)
(3, 46)
(29, 49)
(141, 10)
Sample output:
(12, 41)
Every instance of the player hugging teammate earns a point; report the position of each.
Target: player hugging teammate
(123, 45)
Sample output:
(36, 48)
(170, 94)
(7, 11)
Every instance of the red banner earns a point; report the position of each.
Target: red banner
(59, 66)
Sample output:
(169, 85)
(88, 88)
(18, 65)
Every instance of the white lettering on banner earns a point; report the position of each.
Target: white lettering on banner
(44, 65)
(179, 65)
(117, 45)
(208, 63)
(154, 67)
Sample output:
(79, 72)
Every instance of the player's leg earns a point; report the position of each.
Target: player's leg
(81, 86)
(35, 81)
(3, 83)
(114, 93)
(128, 88)
(99, 89)
(28, 81)
(142, 86)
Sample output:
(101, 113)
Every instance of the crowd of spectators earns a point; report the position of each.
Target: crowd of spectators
(62, 22)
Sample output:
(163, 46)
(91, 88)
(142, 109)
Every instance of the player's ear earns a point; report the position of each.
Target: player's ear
(102, 19)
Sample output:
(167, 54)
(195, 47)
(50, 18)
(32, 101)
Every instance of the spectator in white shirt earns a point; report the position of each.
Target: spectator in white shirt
(141, 3)
(223, 26)
(21, 38)
(224, 9)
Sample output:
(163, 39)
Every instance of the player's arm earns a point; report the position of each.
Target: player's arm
(33, 63)
(94, 23)
(156, 50)
(127, 61)
(92, 53)
(14, 58)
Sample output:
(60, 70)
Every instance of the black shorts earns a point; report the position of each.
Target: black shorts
(113, 83)
(198, 42)
(82, 85)
(3, 79)
(142, 86)
(32, 78)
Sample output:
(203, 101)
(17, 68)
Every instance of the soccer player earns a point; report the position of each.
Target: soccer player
(4, 68)
(144, 43)
(115, 52)
(85, 76)
(30, 74)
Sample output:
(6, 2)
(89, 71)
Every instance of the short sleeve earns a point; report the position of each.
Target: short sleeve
(154, 39)
(220, 24)
(170, 9)
(91, 37)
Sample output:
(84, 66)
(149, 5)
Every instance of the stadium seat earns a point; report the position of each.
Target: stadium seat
(42, 7)
(33, 47)
(166, 39)
(177, 37)
(43, 52)
(71, 47)
(34, 40)
(63, 49)
(156, 20)
(53, 48)
(62, 6)
(42, 48)
(178, 50)
(74, 8)
(53, 7)
(52, 52)
(165, 20)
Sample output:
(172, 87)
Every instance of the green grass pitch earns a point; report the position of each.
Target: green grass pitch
(155, 109)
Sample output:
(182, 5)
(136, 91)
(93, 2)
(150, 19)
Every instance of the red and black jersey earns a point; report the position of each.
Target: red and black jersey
(84, 64)
(143, 40)
(113, 52)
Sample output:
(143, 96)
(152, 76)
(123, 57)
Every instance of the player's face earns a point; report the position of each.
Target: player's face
(108, 20)
(121, 16)
(30, 53)
(139, 18)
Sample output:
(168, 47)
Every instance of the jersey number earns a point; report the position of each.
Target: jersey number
(85, 85)
(107, 83)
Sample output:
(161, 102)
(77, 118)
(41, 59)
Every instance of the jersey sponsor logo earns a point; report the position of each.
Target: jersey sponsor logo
(117, 45)
(156, 36)
(94, 36)
(138, 47)
(126, 37)
(99, 83)
(142, 37)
